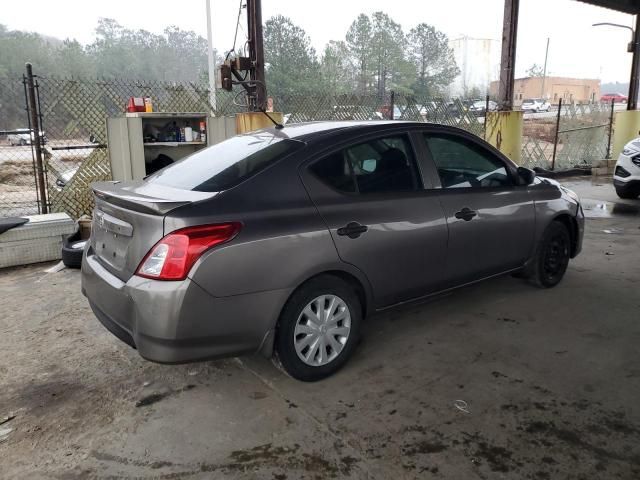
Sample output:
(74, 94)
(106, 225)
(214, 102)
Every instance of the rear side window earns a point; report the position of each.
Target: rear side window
(335, 171)
(225, 164)
(382, 165)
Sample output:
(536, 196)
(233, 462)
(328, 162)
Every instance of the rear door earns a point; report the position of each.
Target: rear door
(370, 194)
(491, 217)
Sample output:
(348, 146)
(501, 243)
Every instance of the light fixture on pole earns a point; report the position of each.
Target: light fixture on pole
(634, 47)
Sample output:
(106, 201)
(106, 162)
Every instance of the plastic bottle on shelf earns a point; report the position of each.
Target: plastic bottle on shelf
(203, 132)
(176, 132)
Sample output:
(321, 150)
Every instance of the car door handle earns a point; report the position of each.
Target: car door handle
(466, 214)
(352, 230)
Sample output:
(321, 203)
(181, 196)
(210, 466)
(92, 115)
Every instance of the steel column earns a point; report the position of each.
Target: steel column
(632, 102)
(508, 56)
(256, 53)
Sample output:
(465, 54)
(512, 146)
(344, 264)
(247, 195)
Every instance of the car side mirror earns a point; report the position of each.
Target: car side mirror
(527, 175)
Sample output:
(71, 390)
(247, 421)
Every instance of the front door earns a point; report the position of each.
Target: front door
(371, 196)
(491, 217)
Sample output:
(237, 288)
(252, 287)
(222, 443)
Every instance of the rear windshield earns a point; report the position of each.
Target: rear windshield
(225, 164)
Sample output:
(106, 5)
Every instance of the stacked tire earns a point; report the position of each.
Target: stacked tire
(72, 250)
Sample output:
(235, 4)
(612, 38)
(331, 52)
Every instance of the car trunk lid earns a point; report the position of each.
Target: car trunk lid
(128, 221)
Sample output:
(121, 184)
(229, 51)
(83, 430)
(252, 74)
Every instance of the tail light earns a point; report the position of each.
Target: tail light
(173, 256)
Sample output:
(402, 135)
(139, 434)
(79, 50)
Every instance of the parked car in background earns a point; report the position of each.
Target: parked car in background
(616, 97)
(458, 107)
(283, 240)
(535, 105)
(626, 175)
(24, 136)
(478, 107)
(65, 177)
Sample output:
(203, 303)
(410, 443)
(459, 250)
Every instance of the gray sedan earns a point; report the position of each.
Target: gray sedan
(283, 241)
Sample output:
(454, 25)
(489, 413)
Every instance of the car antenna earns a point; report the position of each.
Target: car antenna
(279, 126)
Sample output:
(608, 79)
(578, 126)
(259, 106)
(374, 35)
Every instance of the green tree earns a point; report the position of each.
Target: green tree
(292, 66)
(387, 53)
(358, 41)
(433, 59)
(175, 55)
(72, 59)
(335, 68)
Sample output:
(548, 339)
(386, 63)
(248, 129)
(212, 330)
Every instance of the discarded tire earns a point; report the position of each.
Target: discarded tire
(72, 249)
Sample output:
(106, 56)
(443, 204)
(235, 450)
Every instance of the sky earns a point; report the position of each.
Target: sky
(576, 48)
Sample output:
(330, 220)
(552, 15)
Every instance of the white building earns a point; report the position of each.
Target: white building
(479, 62)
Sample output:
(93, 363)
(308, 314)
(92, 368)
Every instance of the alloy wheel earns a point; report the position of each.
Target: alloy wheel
(322, 330)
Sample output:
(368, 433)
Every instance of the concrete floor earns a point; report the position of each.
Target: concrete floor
(499, 380)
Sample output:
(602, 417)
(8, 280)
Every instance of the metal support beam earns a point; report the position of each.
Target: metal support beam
(256, 53)
(36, 140)
(508, 57)
(632, 102)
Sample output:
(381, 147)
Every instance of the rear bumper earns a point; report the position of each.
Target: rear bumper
(179, 322)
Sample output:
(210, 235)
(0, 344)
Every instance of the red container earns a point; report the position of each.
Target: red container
(136, 104)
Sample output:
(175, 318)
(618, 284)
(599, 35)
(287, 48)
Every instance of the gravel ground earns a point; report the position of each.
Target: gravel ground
(498, 380)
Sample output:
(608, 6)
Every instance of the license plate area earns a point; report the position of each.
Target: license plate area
(111, 238)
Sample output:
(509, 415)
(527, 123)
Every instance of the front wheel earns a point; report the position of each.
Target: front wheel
(318, 328)
(552, 257)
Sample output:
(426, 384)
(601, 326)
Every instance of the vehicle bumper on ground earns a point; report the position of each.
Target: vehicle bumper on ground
(178, 321)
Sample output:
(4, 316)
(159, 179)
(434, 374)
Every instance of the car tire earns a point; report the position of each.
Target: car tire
(552, 256)
(23, 142)
(627, 193)
(303, 338)
(72, 250)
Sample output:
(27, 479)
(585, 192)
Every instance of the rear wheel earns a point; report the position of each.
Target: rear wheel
(552, 257)
(318, 328)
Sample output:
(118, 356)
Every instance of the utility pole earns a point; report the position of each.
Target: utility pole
(544, 70)
(211, 62)
(508, 56)
(632, 102)
(256, 55)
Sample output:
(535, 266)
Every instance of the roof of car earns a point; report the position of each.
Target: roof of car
(312, 130)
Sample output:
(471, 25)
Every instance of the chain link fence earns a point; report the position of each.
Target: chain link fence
(18, 193)
(570, 136)
(73, 115)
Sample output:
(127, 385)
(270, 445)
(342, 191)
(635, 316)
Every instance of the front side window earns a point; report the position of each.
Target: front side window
(463, 164)
(381, 165)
